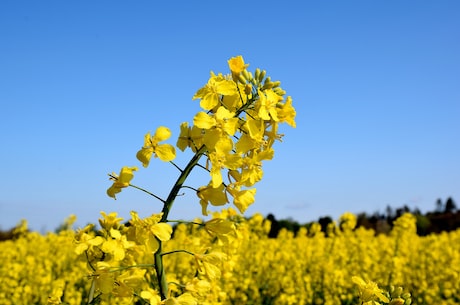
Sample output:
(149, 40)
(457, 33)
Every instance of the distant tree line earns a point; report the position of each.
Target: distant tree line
(444, 218)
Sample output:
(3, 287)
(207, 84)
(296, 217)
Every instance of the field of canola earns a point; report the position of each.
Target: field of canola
(310, 268)
(226, 259)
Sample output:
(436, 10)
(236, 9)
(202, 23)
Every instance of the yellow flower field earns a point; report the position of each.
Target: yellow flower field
(226, 259)
(310, 268)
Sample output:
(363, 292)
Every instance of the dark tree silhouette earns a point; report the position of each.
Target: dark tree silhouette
(450, 206)
(439, 208)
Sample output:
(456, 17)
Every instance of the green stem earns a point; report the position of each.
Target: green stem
(145, 191)
(91, 291)
(186, 222)
(180, 181)
(159, 268)
(177, 251)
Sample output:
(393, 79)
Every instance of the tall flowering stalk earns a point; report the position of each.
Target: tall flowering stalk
(234, 132)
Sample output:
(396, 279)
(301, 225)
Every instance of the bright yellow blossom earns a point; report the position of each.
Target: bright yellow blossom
(109, 221)
(116, 245)
(236, 64)
(286, 112)
(252, 172)
(121, 181)
(210, 94)
(209, 264)
(151, 296)
(222, 158)
(189, 137)
(104, 278)
(369, 291)
(268, 103)
(219, 226)
(242, 199)
(221, 124)
(149, 230)
(214, 195)
(128, 281)
(85, 239)
(165, 152)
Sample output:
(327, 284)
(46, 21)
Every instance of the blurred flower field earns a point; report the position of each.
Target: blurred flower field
(312, 267)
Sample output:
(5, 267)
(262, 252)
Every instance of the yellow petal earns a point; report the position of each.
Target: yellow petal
(144, 155)
(162, 231)
(224, 145)
(161, 134)
(226, 87)
(255, 128)
(112, 191)
(244, 199)
(183, 140)
(231, 125)
(126, 175)
(166, 152)
(216, 177)
(203, 120)
(236, 64)
(152, 244)
(209, 101)
(147, 140)
(244, 144)
(219, 226)
(233, 161)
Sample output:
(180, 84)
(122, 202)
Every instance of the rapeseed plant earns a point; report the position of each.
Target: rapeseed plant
(235, 133)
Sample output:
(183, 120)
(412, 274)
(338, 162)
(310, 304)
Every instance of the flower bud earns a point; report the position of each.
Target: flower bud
(397, 301)
(406, 295)
(276, 84)
(248, 89)
(397, 292)
(246, 74)
(262, 75)
(267, 80)
(408, 301)
(267, 85)
(241, 78)
(257, 74)
(279, 91)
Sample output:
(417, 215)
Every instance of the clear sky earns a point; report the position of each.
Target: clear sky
(376, 85)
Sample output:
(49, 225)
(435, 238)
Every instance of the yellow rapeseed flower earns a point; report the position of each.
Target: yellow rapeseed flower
(217, 86)
(268, 105)
(121, 181)
(151, 295)
(369, 291)
(214, 195)
(165, 152)
(219, 226)
(237, 65)
(189, 137)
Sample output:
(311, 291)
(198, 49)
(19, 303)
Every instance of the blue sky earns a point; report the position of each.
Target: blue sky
(376, 85)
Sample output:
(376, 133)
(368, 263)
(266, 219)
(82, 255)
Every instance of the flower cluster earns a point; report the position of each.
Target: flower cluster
(235, 132)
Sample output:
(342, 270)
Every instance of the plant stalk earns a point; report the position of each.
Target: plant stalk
(159, 268)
